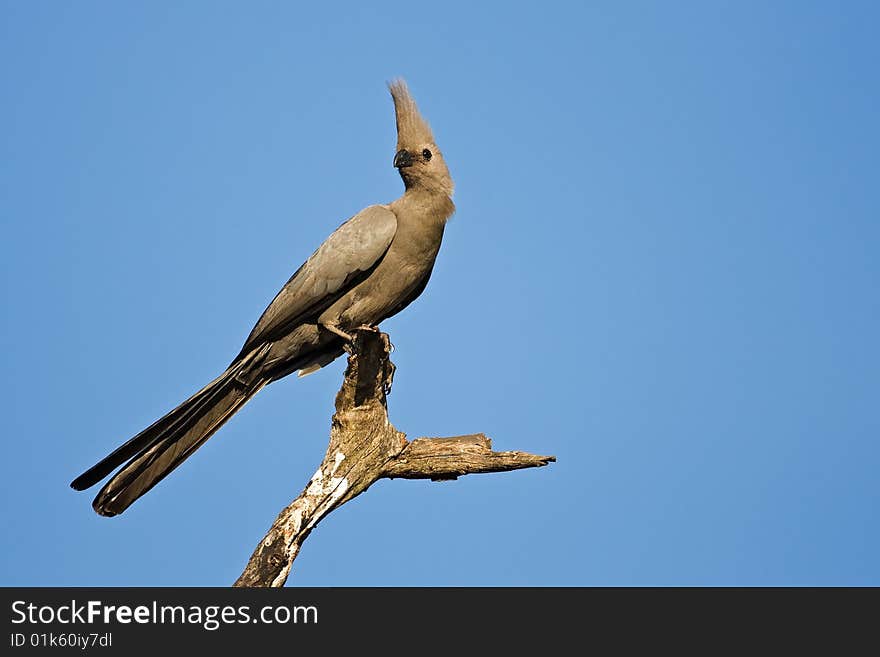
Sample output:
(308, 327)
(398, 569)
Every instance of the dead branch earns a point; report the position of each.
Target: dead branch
(364, 447)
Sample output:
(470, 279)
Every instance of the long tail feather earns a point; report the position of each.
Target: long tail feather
(138, 443)
(160, 448)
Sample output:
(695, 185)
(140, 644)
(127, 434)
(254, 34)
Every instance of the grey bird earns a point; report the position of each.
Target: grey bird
(370, 268)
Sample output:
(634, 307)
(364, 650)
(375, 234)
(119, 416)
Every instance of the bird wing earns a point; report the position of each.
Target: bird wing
(342, 261)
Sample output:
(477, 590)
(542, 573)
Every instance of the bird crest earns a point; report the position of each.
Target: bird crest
(412, 129)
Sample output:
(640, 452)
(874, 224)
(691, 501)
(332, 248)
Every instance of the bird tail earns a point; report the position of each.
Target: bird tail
(153, 453)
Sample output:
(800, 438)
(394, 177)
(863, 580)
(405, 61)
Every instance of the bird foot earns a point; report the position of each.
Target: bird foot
(367, 327)
(363, 327)
(349, 338)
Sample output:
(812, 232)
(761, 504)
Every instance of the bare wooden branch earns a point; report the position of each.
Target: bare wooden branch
(365, 446)
(449, 458)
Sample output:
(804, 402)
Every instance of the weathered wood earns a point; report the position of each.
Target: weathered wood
(365, 446)
(449, 458)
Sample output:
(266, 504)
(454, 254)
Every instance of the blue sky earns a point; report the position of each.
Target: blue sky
(663, 270)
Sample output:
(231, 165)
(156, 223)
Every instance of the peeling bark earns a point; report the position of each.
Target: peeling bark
(365, 446)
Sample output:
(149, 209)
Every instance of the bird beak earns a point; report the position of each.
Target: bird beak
(402, 159)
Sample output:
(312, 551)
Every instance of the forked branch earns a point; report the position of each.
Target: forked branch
(364, 447)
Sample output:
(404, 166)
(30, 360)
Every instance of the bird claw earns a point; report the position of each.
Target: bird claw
(349, 339)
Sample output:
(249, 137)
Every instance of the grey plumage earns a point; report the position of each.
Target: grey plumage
(370, 268)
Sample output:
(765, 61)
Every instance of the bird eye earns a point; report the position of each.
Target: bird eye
(426, 154)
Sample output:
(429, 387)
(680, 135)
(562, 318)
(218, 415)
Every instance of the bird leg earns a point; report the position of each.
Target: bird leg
(335, 330)
(348, 337)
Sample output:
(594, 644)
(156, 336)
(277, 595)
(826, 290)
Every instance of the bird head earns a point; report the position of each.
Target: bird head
(418, 159)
